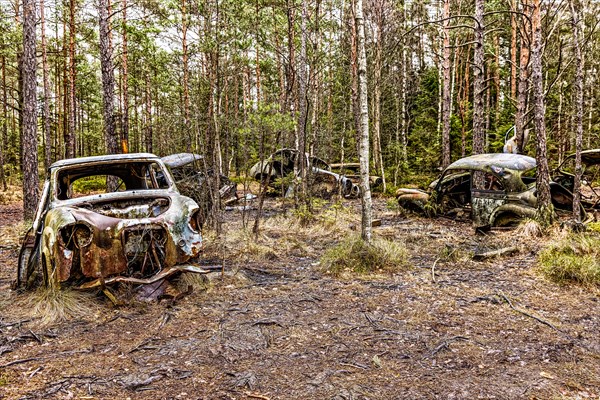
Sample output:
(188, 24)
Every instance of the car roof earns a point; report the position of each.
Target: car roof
(588, 157)
(483, 162)
(179, 159)
(106, 158)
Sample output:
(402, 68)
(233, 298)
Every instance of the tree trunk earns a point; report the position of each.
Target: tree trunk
(108, 79)
(148, 117)
(186, 95)
(545, 212)
(4, 136)
(29, 127)
(365, 188)
(575, 12)
(523, 79)
(478, 81)
(70, 131)
(446, 99)
(302, 104)
(513, 50)
(46, 108)
(125, 92)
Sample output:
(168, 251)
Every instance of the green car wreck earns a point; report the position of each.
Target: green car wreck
(505, 192)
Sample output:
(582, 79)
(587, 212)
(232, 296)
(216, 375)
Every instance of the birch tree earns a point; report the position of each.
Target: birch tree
(363, 106)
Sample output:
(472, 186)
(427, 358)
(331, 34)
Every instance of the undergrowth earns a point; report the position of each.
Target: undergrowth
(52, 306)
(355, 255)
(575, 258)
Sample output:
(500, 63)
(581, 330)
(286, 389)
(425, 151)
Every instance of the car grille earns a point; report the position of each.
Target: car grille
(145, 250)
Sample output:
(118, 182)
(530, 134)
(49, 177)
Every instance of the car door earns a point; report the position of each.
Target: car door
(487, 194)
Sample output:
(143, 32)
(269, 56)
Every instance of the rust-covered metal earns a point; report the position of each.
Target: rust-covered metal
(131, 233)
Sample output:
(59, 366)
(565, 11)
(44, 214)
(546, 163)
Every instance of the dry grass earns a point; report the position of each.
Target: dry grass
(529, 228)
(355, 255)
(54, 306)
(13, 194)
(11, 235)
(575, 258)
(198, 282)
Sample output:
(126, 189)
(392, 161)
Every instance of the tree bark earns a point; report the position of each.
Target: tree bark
(446, 99)
(108, 78)
(125, 78)
(70, 131)
(365, 195)
(302, 105)
(575, 12)
(523, 79)
(478, 81)
(186, 95)
(3, 138)
(29, 121)
(545, 211)
(378, 16)
(46, 108)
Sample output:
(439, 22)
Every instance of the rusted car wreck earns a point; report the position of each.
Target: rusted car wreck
(108, 219)
(506, 192)
(321, 180)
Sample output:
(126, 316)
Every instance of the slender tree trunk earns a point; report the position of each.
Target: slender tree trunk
(108, 79)
(575, 12)
(523, 79)
(29, 139)
(513, 51)
(377, 67)
(3, 138)
(149, 136)
(446, 99)
(478, 81)
(125, 92)
(365, 196)
(545, 211)
(70, 131)
(186, 95)
(302, 104)
(46, 108)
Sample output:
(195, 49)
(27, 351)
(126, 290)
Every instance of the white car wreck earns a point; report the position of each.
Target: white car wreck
(109, 219)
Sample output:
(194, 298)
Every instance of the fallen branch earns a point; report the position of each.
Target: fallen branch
(528, 314)
(495, 253)
(63, 353)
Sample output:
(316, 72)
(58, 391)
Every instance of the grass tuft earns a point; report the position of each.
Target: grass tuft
(198, 282)
(575, 258)
(355, 255)
(530, 228)
(53, 306)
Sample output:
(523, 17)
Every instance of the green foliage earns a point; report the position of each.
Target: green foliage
(90, 184)
(575, 258)
(355, 255)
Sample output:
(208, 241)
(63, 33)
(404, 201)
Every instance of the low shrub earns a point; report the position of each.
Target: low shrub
(576, 258)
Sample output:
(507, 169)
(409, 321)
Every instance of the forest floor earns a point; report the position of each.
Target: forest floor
(274, 325)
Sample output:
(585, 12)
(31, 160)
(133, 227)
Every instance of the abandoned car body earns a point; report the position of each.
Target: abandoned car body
(564, 176)
(352, 171)
(188, 171)
(322, 182)
(506, 192)
(107, 219)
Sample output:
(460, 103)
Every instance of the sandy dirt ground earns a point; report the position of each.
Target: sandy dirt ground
(274, 325)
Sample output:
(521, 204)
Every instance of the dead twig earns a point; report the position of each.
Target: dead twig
(62, 353)
(445, 343)
(509, 302)
(256, 396)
